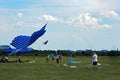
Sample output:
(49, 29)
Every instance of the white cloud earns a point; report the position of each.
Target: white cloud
(20, 23)
(50, 18)
(106, 26)
(28, 25)
(37, 25)
(91, 6)
(20, 14)
(110, 14)
(85, 20)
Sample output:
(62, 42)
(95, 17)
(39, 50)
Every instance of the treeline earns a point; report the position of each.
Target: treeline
(43, 53)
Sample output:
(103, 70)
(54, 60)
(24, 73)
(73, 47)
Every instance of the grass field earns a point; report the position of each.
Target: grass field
(41, 70)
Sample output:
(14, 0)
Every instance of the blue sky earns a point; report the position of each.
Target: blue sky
(72, 24)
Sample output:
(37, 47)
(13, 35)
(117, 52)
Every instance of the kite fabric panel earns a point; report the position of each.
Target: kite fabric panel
(37, 34)
(20, 41)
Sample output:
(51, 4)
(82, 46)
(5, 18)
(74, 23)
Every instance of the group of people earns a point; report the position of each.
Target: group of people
(94, 60)
(4, 59)
(58, 58)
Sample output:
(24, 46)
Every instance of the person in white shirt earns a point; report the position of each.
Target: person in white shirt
(94, 60)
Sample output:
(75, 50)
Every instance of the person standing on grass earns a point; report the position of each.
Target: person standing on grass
(60, 57)
(52, 56)
(70, 59)
(19, 59)
(57, 59)
(94, 60)
(47, 59)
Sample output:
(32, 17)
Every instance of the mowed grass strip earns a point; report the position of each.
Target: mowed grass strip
(42, 70)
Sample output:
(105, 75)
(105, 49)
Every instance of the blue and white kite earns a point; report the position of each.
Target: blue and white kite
(22, 42)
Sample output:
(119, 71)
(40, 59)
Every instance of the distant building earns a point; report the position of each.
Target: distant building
(88, 50)
(104, 51)
(4, 47)
(79, 50)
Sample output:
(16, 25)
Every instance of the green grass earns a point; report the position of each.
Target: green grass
(41, 70)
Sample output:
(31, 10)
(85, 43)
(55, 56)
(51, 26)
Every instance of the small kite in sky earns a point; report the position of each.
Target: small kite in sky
(45, 42)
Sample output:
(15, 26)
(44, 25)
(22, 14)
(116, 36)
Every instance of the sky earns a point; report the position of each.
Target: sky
(72, 24)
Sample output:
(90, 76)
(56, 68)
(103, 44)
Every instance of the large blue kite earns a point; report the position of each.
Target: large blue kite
(22, 42)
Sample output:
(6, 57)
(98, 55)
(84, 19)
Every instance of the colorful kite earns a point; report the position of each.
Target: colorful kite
(22, 42)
